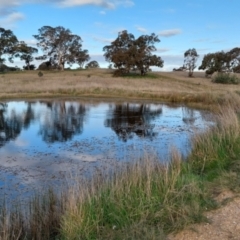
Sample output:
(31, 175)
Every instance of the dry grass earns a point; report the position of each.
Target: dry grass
(165, 86)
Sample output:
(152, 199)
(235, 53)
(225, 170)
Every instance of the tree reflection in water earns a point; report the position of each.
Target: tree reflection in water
(63, 121)
(10, 125)
(188, 115)
(127, 120)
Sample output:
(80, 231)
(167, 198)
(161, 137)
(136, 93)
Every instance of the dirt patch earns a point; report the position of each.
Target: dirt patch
(224, 223)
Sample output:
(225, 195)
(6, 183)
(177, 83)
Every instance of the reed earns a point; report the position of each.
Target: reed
(38, 218)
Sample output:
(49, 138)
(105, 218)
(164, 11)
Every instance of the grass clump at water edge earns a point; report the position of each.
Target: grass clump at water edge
(143, 200)
(143, 195)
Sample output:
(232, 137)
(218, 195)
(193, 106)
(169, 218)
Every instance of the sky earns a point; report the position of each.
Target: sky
(206, 25)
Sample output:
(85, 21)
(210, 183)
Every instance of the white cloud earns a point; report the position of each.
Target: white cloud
(9, 14)
(201, 40)
(118, 30)
(170, 32)
(203, 50)
(161, 50)
(109, 4)
(103, 40)
(172, 61)
(141, 29)
(6, 7)
(100, 59)
(101, 3)
(102, 12)
(218, 41)
(9, 20)
(32, 42)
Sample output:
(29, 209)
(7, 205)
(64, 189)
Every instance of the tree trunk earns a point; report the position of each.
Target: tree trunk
(190, 74)
(61, 64)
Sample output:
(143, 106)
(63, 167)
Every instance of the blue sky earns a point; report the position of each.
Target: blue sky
(207, 25)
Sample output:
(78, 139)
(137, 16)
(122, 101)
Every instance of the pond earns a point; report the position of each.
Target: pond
(43, 142)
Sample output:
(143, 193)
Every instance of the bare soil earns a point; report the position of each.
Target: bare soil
(222, 224)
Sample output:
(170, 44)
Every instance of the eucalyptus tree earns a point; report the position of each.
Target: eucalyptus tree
(8, 42)
(190, 59)
(214, 62)
(25, 53)
(93, 64)
(221, 61)
(59, 44)
(82, 58)
(128, 53)
(234, 56)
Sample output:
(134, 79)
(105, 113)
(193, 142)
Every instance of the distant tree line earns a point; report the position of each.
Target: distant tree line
(126, 54)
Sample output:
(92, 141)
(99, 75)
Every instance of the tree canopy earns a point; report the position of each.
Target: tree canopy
(92, 64)
(128, 53)
(8, 42)
(25, 53)
(82, 58)
(221, 61)
(60, 45)
(190, 59)
(234, 59)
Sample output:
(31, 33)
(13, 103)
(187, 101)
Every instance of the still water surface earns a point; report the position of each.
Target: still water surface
(41, 142)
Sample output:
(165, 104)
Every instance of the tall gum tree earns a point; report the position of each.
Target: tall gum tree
(190, 59)
(25, 53)
(82, 58)
(59, 44)
(221, 61)
(8, 42)
(128, 53)
(214, 62)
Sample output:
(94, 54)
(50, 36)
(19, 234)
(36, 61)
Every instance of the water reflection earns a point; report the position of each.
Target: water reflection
(62, 121)
(10, 125)
(127, 120)
(189, 115)
(42, 141)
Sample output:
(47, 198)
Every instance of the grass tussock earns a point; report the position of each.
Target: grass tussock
(143, 195)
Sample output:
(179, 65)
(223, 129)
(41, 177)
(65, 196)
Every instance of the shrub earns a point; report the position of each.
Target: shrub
(40, 74)
(226, 78)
